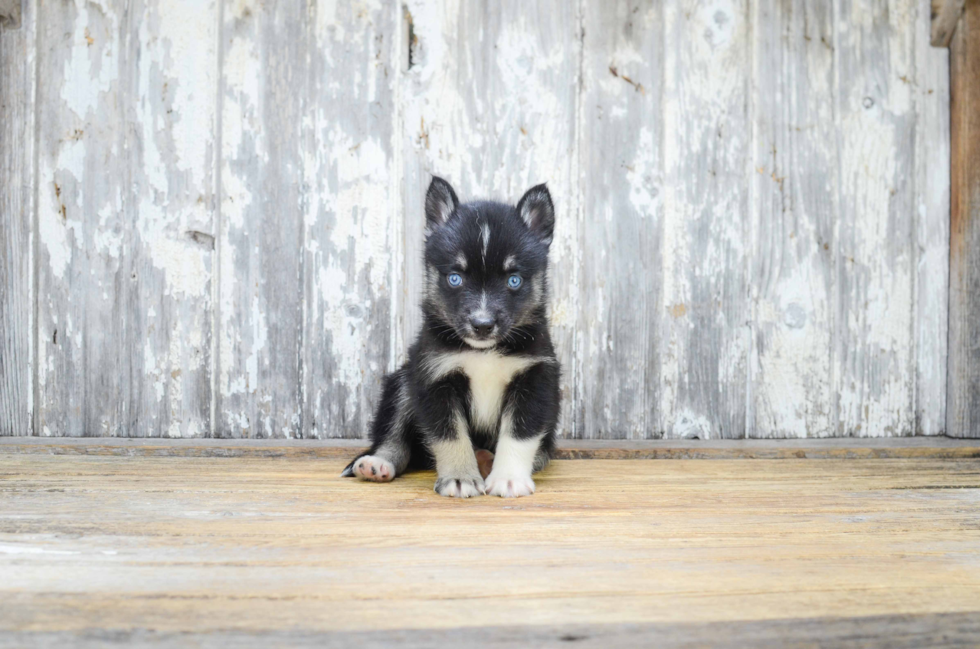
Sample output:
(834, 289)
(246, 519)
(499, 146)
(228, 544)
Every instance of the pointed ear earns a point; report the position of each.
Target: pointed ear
(440, 203)
(537, 210)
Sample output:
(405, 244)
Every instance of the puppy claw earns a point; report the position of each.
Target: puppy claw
(460, 487)
(509, 486)
(373, 468)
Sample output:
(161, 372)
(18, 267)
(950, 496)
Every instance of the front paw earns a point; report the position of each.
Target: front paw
(460, 487)
(509, 486)
(373, 468)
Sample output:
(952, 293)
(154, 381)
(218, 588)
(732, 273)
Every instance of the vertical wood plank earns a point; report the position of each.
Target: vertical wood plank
(489, 103)
(963, 404)
(124, 218)
(622, 183)
(707, 137)
(931, 94)
(348, 148)
(174, 118)
(87, 276)
(17, 94)
(793, 185)
(265, 91)
(875, 265)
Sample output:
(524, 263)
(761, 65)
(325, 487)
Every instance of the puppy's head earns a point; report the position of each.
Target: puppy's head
(486, 263)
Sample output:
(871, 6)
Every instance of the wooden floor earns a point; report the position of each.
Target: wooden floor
(189, 551)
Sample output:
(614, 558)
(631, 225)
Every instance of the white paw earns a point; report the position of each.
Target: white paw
(509, 486)
(460, 487)
(374, 468)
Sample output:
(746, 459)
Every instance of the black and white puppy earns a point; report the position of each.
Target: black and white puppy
(482, 373)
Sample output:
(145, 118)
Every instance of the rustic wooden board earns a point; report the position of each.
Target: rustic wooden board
(876, 256)
(350, 211)
(264, 113)
(932, 185)
(963, 409)
(948, 630)
(794, 184)
(125, 127)
(174, 211)
(17, 95)
(489, 103)
(248, 546)
(621, 180)
(704, 333)
(88, 280)
(853, 448)
(306, 218)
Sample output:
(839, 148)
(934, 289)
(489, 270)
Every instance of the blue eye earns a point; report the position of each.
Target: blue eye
(514, 281)
(455, 279)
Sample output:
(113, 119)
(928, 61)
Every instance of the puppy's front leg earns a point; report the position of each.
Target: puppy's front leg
(447, 435)
(529, 419)
(513, 462)
(456, 466)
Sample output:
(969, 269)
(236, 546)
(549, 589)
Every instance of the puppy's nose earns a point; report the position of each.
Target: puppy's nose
(482, 326)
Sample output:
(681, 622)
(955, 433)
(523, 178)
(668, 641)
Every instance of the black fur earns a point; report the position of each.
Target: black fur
(420, 407)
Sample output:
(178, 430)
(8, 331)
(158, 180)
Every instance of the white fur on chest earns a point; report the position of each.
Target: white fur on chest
(489, 373)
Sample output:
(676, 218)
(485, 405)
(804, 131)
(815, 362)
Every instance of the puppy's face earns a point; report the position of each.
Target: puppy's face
(486, 263)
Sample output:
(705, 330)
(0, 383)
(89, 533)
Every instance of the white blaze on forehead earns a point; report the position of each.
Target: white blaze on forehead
(461, 261)
(509, 263)
(485, 235)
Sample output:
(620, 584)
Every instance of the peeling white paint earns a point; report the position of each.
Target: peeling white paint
(89, 72)
(643, 176)
(183, 265)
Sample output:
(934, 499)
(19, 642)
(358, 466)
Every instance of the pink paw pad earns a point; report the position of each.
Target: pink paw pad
(374, 468)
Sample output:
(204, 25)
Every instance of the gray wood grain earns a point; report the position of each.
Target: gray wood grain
(489, 103)
(704, 335)
(17, 89)
(124, 219)
(963, 404)
(174, 213)
(931, 215)
(876, 255)
(349, 215)
(894, 631)
(265, 118)
(88, 267)
(793, 188)
(621, 180)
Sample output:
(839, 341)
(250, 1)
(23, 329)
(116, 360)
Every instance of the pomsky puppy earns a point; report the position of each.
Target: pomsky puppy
(482, 374)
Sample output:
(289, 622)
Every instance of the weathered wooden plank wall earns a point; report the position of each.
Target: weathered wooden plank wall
(753, 205)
